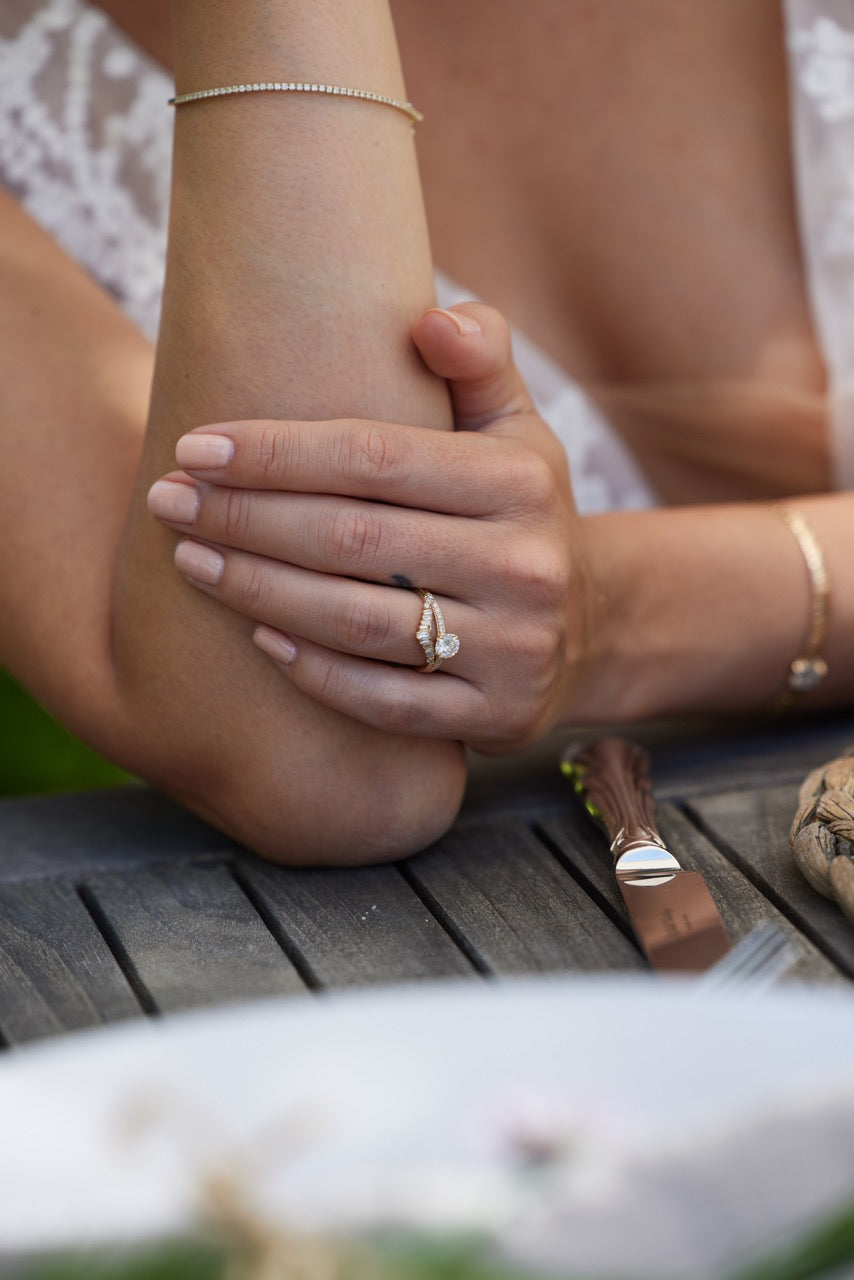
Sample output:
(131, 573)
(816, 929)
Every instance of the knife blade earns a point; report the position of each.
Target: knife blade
(673, 915)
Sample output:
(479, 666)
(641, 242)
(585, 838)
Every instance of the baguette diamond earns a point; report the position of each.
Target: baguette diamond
(437, 644)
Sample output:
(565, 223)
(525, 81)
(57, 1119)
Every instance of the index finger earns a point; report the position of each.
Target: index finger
(457, 473)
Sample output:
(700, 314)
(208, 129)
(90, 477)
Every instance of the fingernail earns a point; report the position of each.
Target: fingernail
(169, 500)
(199, 562)
(464, 324)
(199, 451)
(275, 644)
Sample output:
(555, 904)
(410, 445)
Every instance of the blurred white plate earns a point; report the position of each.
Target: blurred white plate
(684, 1130)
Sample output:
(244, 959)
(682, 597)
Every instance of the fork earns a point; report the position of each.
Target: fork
(754, 964)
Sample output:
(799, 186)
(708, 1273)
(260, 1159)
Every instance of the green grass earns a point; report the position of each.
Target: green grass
(824, 1253)
(188, 1261)
(38, 755)
(181, 1261)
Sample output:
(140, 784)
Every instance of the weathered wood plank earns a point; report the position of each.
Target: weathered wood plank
(115, 829)
(514, 909)
(188, 936)
(498, 902)
(583, 850)
(56, 971)
(352, 926)
(753, 827)
(690, 759)
(741, 904)
(730, 757)
(68, 835)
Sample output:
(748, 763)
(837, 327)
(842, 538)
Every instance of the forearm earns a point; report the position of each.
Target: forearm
(75, 377)
(700, 610)
(298, 250)
(298, 260)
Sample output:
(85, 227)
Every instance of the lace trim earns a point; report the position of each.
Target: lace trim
(85, 144)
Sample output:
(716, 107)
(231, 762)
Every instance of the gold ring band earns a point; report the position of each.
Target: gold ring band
(437, 644)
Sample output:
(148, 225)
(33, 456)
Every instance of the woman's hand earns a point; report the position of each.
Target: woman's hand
(312, 529)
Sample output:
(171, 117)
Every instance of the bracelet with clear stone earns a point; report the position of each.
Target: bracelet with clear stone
(808, 670)
(298, 86)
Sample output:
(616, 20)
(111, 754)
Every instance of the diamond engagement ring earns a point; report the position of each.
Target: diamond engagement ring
(437, 643)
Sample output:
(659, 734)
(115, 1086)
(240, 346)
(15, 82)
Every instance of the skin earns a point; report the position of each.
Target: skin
(551, 606)
(605, 242)
(152, 673)
(495, 503)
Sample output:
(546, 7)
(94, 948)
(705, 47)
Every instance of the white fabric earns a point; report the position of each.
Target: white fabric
(821, 49)
(85, 142)
(604, 474)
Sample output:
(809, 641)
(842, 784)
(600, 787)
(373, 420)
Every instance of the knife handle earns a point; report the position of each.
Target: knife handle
(614, 775)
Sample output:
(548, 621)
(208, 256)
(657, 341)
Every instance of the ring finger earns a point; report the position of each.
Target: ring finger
(360, 618)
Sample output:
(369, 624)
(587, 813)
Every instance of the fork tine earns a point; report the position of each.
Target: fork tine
(755, 963)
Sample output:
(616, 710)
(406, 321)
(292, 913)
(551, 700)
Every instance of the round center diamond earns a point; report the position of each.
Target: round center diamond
(806, 674)
(447, 645)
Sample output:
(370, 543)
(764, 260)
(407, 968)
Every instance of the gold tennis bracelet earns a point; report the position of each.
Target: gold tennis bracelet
(298, 86)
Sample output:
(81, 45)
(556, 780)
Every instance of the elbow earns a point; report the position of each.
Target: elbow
(290, 780)
(376, 807)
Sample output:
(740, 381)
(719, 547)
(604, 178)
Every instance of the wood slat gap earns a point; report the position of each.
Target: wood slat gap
(117, 950)
(515, 905)
(287, 945)
(444, 921)
(741, 899)
(605, 904)
(742, 864)
(799, 919)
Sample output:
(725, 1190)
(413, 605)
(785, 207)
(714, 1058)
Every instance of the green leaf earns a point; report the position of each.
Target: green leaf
(820, 1253)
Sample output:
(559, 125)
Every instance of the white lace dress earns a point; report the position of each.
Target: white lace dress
(85, 140)
(821, 49)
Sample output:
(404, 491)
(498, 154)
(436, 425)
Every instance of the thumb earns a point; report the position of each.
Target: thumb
(469, 345)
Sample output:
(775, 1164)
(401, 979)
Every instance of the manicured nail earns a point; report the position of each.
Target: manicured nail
(198, 451)
(275, 644)
(169, 500)
(199, 562)
(464, 324)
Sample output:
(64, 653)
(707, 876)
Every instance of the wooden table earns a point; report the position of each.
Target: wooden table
(116, 904)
